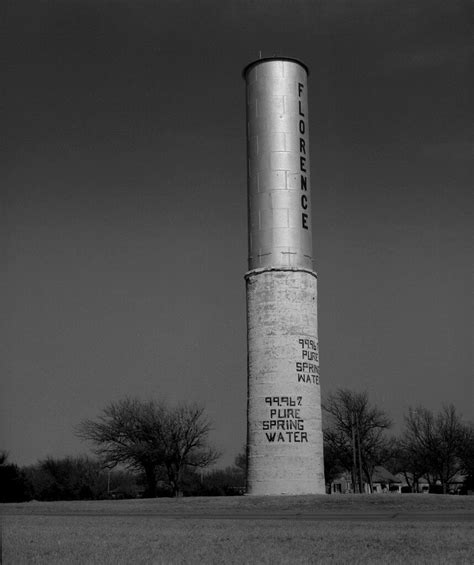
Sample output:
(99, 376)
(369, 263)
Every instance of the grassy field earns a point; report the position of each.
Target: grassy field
(362, 529)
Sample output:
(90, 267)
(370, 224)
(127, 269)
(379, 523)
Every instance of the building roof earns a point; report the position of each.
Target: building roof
(382, 475)
(403, 479)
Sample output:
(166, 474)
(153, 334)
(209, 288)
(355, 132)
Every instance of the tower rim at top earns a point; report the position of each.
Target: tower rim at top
(267, 59)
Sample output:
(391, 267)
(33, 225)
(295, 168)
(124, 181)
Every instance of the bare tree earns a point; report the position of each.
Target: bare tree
(466, 456)
(356, 433)
(151, 437)
(436, 441)
(185, 437)
(240, 462)
(410, 463)
(14, 485)
(337, 455)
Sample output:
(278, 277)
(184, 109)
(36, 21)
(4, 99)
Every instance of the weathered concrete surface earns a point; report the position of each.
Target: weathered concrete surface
(285, 445)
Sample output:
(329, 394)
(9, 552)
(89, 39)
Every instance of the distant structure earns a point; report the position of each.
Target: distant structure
(284, 433)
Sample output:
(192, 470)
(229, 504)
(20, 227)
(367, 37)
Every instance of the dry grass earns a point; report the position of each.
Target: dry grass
(139, 532)
(238, 504)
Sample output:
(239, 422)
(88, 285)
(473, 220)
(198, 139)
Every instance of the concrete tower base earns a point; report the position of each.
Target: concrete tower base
(284, 443)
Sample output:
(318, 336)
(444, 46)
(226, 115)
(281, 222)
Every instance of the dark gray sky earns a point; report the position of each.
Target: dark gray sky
(123, 187)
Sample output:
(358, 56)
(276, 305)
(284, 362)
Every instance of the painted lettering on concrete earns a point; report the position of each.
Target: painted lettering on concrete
(284, 424)
(307, 370)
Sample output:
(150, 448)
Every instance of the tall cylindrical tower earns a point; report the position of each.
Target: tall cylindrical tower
(284, 435)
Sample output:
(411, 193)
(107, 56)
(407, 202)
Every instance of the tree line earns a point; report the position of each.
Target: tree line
(68, 478)
(142, 448)
(148, 448)
(85, 478)
(438, 447)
